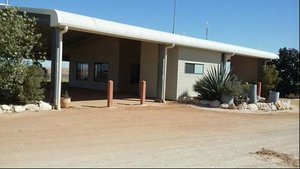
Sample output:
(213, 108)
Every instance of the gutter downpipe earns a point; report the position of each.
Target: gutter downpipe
(224, 58)
(165, 63)
(59, 66)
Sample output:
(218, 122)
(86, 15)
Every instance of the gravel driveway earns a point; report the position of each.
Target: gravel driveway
(157, 135)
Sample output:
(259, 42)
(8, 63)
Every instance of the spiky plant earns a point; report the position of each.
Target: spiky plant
(210, 86)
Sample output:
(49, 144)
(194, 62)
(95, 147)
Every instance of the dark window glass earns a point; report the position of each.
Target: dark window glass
(192, 68)
(101, 72)
(135, 73)
(82, 71)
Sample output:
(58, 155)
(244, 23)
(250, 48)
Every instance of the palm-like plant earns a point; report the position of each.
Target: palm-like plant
(210, 86)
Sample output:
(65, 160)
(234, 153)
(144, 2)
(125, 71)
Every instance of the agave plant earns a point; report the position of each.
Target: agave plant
(211, 85)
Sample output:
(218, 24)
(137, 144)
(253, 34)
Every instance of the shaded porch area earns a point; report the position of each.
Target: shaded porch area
(91, 98)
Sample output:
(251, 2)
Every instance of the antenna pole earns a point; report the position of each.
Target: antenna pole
(174, 17)
(206, 30)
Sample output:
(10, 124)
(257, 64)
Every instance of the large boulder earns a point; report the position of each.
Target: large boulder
(252, 107)
(19, 109)
(32, 107)
(243, 106)
(44, 106)
(215, 104)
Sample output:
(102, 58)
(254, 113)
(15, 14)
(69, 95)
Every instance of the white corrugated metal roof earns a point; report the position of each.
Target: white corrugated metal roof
(104, 27)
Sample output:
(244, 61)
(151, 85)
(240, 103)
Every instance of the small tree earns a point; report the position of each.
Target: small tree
(270, 79)
(20, 45)
(288, 67)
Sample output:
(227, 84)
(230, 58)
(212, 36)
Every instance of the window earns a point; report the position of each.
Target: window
(82, 71)
(101, 72)
(193, 68)
(135, 73)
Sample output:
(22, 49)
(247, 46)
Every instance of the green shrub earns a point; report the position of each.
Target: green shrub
(32, 85)
(270, 79)
(244, 94)
(232, 87)
(210, 86)
(12, 75)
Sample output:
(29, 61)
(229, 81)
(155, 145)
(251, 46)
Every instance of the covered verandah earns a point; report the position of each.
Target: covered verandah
(124, 57)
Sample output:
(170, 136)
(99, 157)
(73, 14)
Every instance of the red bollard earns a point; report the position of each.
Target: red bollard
(259, 89)
(110, 91)
(143, 92)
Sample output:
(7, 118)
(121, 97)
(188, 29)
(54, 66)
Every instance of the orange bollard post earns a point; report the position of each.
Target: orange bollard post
(110, 88)
(142, 92)
(259, 89)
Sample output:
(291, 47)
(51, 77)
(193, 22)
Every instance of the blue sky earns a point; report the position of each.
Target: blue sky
(260, 24)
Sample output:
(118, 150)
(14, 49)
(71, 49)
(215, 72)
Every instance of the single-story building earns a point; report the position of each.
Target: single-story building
(100, 50)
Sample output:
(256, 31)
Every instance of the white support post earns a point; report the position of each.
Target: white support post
(59, 69)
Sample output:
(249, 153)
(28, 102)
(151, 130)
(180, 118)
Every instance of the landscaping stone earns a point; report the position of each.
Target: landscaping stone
(232, 106)
(19, 109)
(215, 104)
(243, 106)
(261, 99)
(272, 106)
(6, 107)
(263, 106)
(32, 107)
(224, 106)
(280, 105)
(44, 106)
(205, 102)
(286, 104)
(252, 107)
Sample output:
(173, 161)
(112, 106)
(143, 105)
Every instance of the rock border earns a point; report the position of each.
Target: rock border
(259, 106)
(39, 106)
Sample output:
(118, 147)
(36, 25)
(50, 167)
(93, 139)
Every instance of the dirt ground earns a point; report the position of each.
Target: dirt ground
(154, 135)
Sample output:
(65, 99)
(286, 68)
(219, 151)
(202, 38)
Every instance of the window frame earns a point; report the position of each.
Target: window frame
(95, 79)
(194, 66)
(78, 77)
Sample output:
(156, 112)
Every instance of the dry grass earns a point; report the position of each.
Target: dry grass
(286, 159)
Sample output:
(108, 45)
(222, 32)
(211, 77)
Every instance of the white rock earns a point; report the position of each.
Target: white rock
(32, 107)
(19, 108)
(261, 99)
(286, 104)
(224, 106)
(252, 107)
(44, 106)
(243, 106)
(215, 104)
(204, 102)
(6, 107)
(232, 106)
(263, 106)
(272, 106)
